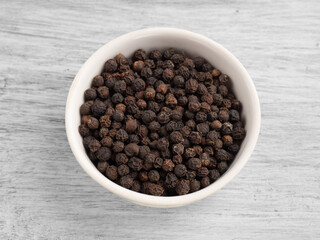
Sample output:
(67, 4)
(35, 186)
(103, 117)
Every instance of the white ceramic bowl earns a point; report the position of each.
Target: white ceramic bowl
(194, 45)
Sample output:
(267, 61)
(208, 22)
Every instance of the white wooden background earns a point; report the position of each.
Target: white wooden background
(44, 194)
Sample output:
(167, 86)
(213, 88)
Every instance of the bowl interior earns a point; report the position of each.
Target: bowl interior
(194, 45)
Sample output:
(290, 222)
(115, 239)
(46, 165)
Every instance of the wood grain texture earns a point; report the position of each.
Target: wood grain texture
(44, 194)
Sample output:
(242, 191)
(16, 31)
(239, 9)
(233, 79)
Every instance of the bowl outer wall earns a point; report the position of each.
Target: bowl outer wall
(194, 45)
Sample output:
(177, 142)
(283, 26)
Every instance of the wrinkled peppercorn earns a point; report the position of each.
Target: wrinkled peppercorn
(201, 117)
(93, 123)
(148, 116)
(138, 85)
(178, 149)
(238, 133)
(202, 172)
(198, 62)
(123, 170)
(135, 163)
(121, 158)
(203, 128)
(168, 75)
(234, 148)
(177, 159)
(180, 170)
(205, 182)
(140, 55)
(90, 94)
(112, 172)
(214, 174)
(195, 137)
(84, 131)
(110, 66)
(103, 92)
(157, 163)
(227, 140)
(103, 154)
(146, 72)
(118, 116)
(98, 108)
(143, 176)
(132, 149)
(97, 81)
(191, 85)
(194, 163)
(222, 167)
(167, 54)
(110, 82)
(194, 106)
(167, 165)
(117, 98)
(176, 137)
(126, 181)
(118, 146)
(189, 153)
(194, 185)
(122, 135)
(155, 189)
(183, 187)
(85, 108)
(102, 167)
(154, 176)
(171, 101)
(136, 186)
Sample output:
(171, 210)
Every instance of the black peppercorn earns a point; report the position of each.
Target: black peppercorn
(195, 137)
(167, 54)
(90, 94)
(135, 163)
(84, 131)
(171, 180)
(176, 137)
(238, 133)
(117, 98)
(97, 81)
(118, 146)
(180, 170)
(138, 85)
(103, 154)
(234, 148)
(194, 185)
(194, 106)
(205, 182)
(191, 85)
(132, 149)
(139, 55)
(154, 176)
(167, 165)
(148, 116)
(98, 108)
(194, 163)
(183, 187)
(201, 117)
(154, 126)
(112, 172)
(146, 72)
(123, 170)
(110, 66)
(118, 116)
(222, 167)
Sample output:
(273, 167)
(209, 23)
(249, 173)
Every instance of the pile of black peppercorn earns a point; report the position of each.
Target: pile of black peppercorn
(161, 123)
